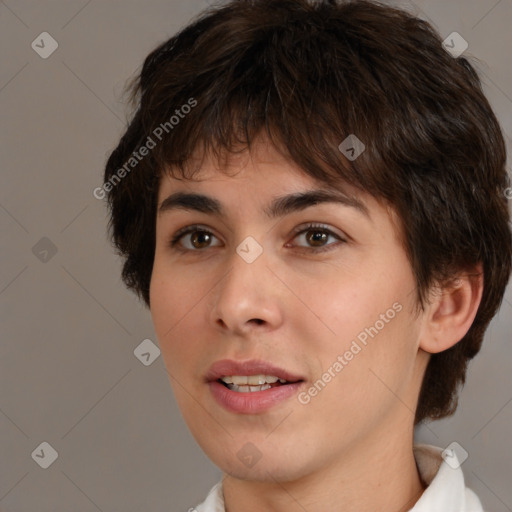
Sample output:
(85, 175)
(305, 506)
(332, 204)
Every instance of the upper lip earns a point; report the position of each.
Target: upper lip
(226, 367)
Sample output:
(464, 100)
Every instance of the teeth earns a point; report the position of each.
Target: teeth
(248, 389)
(250, 383)
(256, 380)
(251, 380)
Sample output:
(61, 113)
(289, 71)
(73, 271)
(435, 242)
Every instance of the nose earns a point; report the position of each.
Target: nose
(248, 297)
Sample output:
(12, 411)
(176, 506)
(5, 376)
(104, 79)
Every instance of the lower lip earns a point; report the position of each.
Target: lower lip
(252, 402)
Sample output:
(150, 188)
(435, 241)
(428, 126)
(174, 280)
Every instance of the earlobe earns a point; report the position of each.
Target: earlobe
(452, 310)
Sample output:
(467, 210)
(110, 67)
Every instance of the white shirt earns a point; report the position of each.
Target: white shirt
(446, 491)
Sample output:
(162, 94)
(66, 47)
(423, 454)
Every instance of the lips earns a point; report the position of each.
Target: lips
(228, 367)
(247, 399)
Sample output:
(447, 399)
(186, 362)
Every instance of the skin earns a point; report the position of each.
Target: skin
(299, 310)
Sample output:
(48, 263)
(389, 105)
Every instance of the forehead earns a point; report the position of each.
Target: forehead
(263, 167)
(204, 165)
(261, 171)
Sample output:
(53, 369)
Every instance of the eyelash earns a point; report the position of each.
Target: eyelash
(173, 243)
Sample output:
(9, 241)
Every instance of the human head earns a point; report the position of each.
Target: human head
(308, 75)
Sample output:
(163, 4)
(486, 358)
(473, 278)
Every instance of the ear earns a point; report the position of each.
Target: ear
(451, 311)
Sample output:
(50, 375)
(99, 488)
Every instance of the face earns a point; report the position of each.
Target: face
(256, 283)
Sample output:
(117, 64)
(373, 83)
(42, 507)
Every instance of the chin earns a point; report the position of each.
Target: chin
(266, 465)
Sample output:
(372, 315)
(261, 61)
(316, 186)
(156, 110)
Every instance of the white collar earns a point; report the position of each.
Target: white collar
(446, 490)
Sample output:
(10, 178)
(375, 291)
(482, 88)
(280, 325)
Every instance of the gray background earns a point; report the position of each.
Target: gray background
(68, 373)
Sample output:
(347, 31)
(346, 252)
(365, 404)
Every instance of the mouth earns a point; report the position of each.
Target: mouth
(243, 375)
(253, 383)
(251, 387)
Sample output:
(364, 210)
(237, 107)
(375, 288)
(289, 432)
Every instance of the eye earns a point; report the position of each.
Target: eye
(317, 236)
(192, 238)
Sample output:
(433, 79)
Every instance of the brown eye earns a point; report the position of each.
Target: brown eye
(193, 238)
(200, 239)
(316, 237)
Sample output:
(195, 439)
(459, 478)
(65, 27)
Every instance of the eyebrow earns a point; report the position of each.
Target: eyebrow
(279, 207)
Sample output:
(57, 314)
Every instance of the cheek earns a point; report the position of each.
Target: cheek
(360, 383)
(173, 294)
(367, 319)
(345, 306)
(173, 304)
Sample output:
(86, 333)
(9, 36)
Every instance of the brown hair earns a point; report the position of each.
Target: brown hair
(309, 75)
